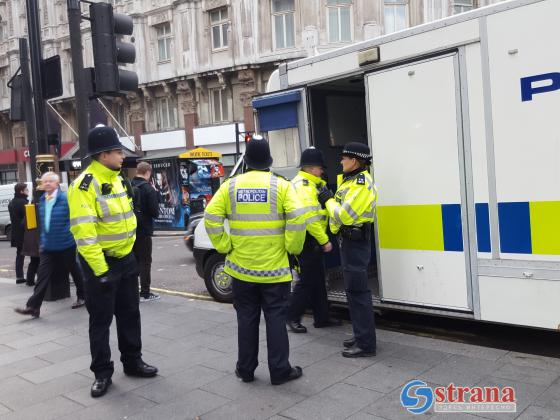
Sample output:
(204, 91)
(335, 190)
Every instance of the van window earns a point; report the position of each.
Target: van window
(284, 147)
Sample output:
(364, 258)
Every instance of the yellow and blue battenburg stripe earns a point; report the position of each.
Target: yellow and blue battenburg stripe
(525, 227)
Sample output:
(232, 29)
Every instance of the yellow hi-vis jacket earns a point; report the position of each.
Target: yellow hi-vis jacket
(354, 201)
(306, 186)
(265, 224)
(102, 224)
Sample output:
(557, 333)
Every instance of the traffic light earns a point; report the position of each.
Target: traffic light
(108, 50)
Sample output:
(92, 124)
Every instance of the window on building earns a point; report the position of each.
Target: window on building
(283, 23)
(460, 6)
(166, 112)
(219, 23)
(163, 35)
(396, 15)
(8, 177)
(219, 103)
(121, 116)
(4, 77)
(339, 20)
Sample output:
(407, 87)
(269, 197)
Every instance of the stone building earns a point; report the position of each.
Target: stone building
(199, 63)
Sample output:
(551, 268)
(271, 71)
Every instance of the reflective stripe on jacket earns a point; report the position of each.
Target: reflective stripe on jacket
(102, 224)
(306, 185)
(353, 203)
(265, 224)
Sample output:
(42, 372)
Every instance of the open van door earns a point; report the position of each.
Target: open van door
(415, 123)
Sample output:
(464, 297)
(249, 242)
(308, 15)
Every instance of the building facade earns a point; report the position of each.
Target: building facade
(199, 63)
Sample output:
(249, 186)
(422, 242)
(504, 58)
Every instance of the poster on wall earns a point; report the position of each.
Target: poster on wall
(166, 181)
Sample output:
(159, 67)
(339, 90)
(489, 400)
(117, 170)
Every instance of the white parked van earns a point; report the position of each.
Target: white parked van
(461, 117)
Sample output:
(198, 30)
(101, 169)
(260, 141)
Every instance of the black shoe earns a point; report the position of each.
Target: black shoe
(350, 342)
(78, 304)
(244, 378)
(141, 369)
(355, 351)
(295, 373)
(329, 323)
(28, 311)
(20, 280)
(30, 283)
(100, 387)
(296, 327)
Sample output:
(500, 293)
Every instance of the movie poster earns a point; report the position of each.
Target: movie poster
(166, 180)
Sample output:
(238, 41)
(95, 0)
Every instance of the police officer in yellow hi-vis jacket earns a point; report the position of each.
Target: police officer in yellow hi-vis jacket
(103, 224)
(265, 224)
(351, 214)
(311, 289)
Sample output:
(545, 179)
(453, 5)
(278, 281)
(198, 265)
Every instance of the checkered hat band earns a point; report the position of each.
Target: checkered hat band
(362, 155)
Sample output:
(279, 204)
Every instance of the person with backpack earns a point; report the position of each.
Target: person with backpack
(146, 209)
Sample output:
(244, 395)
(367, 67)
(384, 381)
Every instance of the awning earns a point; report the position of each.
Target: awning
(276, 112)
(200, 153)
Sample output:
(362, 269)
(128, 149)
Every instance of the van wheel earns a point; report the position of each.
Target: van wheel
(9, 233)
(216, 280)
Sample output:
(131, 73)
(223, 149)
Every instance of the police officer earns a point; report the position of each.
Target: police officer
(103, 224)
(311, 288)
(264, 226)
(351, 214)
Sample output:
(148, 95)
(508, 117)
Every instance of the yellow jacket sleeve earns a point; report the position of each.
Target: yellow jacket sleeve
(294, 235)
(214, 217)
(83, 217)
(358, 201)
(316, 218)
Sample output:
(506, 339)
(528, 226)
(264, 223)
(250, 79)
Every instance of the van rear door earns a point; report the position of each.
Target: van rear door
(416, 134)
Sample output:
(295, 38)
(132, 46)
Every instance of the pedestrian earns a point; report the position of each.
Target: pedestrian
(16, 209)
(57, 246)
(104, 225)
(264, 226)
(30, 249)
(311, 289)
(146, 209)
(351, 215)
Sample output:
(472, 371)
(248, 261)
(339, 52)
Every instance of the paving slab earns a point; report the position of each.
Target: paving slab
(44, 369)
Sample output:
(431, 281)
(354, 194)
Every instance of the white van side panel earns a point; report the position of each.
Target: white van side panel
(533, 303)
(522, 43)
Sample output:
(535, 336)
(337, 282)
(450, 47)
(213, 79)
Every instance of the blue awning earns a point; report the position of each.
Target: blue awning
(277, 112)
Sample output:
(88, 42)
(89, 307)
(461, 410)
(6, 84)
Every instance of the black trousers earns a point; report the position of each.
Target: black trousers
(32, 270)
(355, 257)
(311, 290)
(143, 253)
(19, 262)
(248, 300)
(119, 298)
(48, 261)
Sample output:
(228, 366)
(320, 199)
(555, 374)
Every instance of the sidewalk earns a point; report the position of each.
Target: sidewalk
(44, 370)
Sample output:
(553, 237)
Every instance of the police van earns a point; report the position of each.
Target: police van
(461, 117)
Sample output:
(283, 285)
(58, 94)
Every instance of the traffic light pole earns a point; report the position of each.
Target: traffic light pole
(35, 49)
(28, 110)
(81, 91)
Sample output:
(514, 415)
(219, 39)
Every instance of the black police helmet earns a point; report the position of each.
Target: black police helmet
(311, 157)
(257, 153)
(103, 139)
(357, 150)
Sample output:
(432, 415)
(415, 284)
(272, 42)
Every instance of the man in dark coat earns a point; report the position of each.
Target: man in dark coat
(17, 221)
(146, 209)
